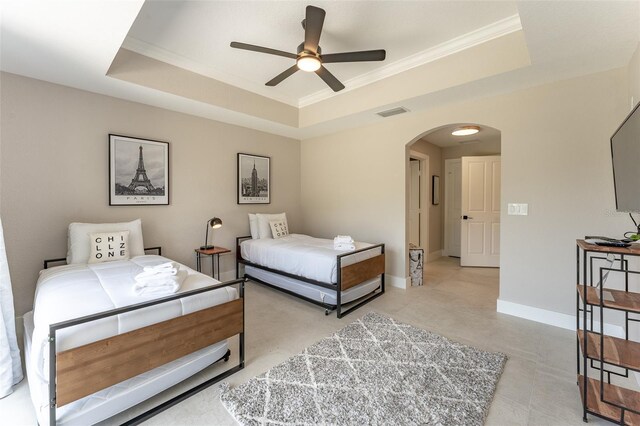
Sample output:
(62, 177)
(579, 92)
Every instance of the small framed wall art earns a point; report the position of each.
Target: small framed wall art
(435, 190)
(138, 171)
(254, 183)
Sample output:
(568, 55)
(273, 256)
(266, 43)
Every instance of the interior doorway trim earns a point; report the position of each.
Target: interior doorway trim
(425, 196)
(448, 199)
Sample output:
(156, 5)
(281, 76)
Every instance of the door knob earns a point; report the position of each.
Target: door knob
(465, 217)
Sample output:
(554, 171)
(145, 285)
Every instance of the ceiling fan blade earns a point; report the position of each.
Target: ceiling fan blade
(278, 78)
(330, 79)
(254, 48)
(366, 55)
(313, 28)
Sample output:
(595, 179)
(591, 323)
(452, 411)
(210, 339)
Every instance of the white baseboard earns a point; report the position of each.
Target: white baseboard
(434, 255)
(531, 313)
(398, 282)
(553, 318)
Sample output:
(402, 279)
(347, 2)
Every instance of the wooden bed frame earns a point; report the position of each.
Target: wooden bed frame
(79, 372)
(349, 276)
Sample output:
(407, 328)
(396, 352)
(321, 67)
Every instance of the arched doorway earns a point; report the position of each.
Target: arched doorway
(439, 154)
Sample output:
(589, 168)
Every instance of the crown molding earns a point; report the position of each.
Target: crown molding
(481, 35)
(172, 58)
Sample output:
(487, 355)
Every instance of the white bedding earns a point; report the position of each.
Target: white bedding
(72, 291)
(302, 255)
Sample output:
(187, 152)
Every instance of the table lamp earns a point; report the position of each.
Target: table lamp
(214, 223)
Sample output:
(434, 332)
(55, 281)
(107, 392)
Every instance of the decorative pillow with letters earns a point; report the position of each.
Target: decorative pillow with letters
(264, 223)
(279, 228)
(108, 246)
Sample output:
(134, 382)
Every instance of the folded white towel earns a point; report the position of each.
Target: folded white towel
(152, 275)
(167, 284)
(143, 278)
(165, 265)
(343, 246)
(346, 239)
(172, 267)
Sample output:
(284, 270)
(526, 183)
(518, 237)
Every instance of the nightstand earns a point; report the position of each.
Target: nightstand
(214, 254)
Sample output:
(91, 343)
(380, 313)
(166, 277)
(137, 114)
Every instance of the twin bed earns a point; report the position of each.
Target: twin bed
(311, 269)
(94, 348)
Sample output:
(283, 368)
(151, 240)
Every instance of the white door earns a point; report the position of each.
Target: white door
(480, 240)
(452, 206)
(414, 203)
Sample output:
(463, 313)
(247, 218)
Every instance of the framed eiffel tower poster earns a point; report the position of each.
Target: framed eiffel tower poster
(138, 171)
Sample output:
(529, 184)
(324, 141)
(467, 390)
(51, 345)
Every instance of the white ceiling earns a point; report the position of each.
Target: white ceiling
(73, 42)
(196, 35)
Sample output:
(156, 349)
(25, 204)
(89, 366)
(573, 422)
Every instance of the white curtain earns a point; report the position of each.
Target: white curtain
(10, 366)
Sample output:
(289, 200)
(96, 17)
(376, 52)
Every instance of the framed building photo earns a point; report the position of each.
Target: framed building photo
(138, 171)
(253, 179)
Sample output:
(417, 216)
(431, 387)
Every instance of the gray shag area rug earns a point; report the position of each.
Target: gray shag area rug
(374, 371)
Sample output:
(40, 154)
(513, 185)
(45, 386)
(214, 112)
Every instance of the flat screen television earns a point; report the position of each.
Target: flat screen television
(625, 152)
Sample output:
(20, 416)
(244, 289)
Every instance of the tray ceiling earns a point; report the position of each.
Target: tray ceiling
(195, 35)
(176, 54)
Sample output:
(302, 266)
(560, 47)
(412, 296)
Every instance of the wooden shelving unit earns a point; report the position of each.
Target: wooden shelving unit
(614, 299)
(600, 397)
(602, 409)
(620, 352)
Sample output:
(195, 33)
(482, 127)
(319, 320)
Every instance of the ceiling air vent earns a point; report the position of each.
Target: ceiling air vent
(392, 111)
(472, 141)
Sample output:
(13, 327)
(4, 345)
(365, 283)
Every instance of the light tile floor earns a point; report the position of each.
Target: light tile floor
(538, 386)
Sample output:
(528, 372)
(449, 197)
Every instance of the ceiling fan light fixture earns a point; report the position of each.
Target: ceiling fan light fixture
(309, 56)
(308, 63)
(466, 131)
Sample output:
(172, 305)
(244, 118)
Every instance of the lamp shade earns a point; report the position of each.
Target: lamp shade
(213, 223)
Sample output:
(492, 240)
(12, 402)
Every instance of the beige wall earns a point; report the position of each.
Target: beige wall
(491, 147)
(633, 72)
(435, 212)
(355, 180)
(493, 57)
(142, 70)
(54, 170)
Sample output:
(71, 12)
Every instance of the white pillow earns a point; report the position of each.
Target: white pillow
(79, 249)
(264, 228)
(279, 228)
(253, 226)
(108, 246)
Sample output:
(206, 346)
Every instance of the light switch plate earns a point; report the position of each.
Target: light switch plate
(517, 209)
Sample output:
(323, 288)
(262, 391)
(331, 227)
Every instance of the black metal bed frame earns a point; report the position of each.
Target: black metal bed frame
(335, 287)
(54, 328)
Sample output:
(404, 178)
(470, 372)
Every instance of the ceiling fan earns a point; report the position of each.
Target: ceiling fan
(309, 57)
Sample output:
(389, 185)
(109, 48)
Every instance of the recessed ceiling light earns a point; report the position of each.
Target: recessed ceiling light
(466, 131)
